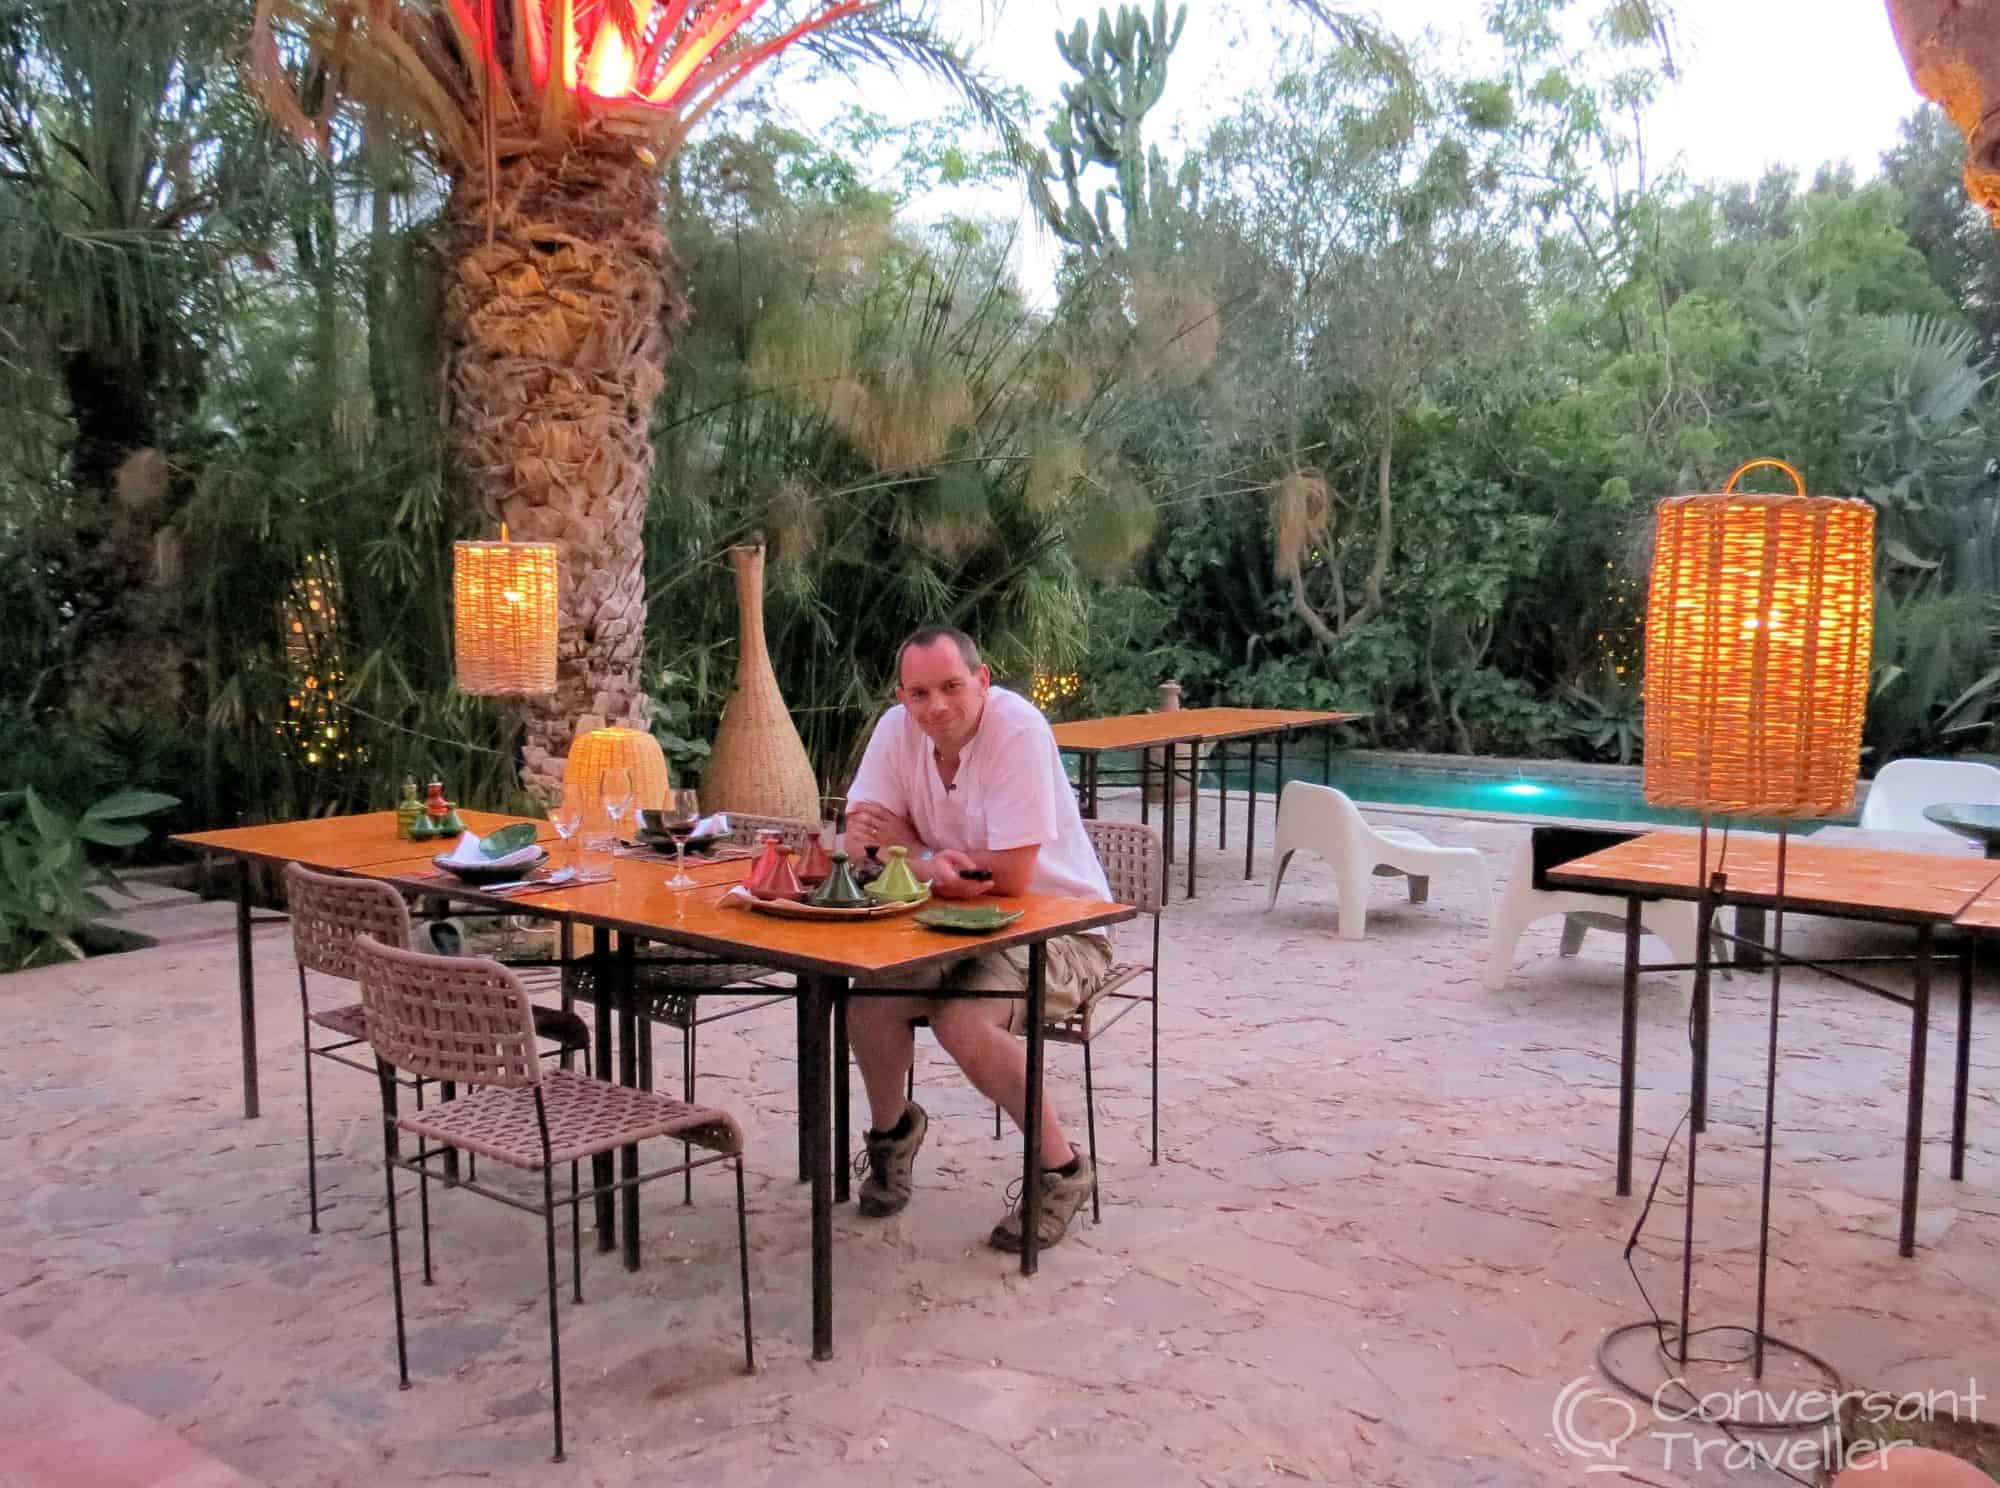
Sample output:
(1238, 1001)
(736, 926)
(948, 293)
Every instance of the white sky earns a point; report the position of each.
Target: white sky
(1792, 82)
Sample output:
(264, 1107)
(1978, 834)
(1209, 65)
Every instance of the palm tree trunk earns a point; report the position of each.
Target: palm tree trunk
(556, 309)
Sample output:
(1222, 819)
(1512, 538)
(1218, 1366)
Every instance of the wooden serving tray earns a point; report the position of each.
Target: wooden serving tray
(790, 910)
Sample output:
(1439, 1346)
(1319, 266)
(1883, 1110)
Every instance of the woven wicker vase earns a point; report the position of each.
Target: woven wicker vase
(758, 764)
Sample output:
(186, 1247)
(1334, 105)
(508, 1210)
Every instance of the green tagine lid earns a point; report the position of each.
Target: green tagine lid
(838, 890)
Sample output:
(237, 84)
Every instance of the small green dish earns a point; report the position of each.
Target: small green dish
(507, 840)
(967, 921)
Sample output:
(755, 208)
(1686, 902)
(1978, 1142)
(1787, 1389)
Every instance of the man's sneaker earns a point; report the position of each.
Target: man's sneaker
(1062, 1196)
(889, 1162)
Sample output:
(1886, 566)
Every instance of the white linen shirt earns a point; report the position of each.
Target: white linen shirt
(1011, 791)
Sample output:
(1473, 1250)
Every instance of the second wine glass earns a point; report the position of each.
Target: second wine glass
(683, 812)
(567, 818)
(614, 792)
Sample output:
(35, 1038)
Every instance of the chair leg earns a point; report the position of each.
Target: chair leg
(1351, 879)
(575, 1240)
(555, 1334)
(312, 1153)
(687, 1094)
(910, 1080)
(1574, 930)
(395, 1241)
(1420, 888)
(1156, 1058)
(1090, 1127)
(1281, 859)
(424, 1193)
(743, 1265)
(996, 1123)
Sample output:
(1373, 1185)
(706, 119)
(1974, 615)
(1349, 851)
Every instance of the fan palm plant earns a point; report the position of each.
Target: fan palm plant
(553, 121)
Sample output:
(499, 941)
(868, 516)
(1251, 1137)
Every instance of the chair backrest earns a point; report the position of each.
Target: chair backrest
(744, 827)
(1323, 807)
(1135, 865)
(1903, 788)
(461, 1018)
(1554, 846)
(328, 912)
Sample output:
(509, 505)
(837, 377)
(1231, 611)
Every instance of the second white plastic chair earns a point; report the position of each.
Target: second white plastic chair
(1320, 819)
(1673, 921)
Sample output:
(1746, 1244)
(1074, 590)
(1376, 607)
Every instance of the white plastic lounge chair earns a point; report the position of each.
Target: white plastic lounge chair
(1903, 788)
(1320, 819)
(1528, 899)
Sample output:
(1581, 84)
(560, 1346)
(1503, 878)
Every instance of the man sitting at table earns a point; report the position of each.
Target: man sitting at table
(967, 775)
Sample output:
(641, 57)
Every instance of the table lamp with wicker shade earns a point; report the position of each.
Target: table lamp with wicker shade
(617, 749)
(504, 616)
(1759, 622)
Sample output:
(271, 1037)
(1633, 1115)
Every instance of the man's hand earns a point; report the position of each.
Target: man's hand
(945, 882)
(869, 825)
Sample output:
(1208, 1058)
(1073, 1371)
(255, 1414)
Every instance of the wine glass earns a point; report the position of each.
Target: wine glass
(614, 790)
(567, 818)
(683, 811)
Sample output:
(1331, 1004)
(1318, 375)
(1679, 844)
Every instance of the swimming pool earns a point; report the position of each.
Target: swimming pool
(1468, 785)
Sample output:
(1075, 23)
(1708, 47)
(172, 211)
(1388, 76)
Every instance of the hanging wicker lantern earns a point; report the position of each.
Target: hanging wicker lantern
(1758, 630)
(618, 749)
(504, 616)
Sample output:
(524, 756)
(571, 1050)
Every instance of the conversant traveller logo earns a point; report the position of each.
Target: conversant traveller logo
(1801, 1431)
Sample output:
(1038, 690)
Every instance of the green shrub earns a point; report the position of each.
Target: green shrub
(47, 880)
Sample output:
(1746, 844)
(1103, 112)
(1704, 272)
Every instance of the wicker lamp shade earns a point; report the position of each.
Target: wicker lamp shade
(504, 616)
(1759, 623)
(619, 749)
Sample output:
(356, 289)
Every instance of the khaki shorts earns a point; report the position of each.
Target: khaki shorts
(1073, 969)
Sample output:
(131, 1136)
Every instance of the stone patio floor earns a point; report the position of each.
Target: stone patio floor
(1380, 1242)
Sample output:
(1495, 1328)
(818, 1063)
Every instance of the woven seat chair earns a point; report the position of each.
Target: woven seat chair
(670, 981)
(468, 1019)
(327, 913)
(1135, 869)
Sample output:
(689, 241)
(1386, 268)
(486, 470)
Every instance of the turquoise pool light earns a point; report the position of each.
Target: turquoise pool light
(1524, 788)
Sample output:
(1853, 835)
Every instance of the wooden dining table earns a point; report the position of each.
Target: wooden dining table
(831, 962)
(1924, 892)
(1090, 739)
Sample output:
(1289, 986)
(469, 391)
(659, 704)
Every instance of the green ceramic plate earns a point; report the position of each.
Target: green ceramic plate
(968, 921)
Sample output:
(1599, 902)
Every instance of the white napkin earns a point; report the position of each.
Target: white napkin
(713, 826)
(465, 854)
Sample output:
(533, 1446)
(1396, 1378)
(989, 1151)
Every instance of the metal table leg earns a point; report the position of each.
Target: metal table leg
(601, 1009)
(1628, 1048)
(1031, 1128)
(1145, 786)
(1250, 812)
(842, 1140)
(246, 990)
(1167, 810)
(805, 1130)
(1194, 809)
(1221, 757)
(1913, 1129)
(816, 996)
(1961, 1091)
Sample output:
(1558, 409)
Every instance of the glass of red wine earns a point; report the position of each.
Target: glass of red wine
(683, 810)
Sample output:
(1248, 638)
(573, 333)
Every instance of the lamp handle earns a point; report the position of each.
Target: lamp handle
(1797, 479)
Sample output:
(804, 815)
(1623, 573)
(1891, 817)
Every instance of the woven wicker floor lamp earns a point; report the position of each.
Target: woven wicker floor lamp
(1759, 621)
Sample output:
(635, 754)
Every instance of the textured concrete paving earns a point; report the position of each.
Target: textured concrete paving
(1381, 1241)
